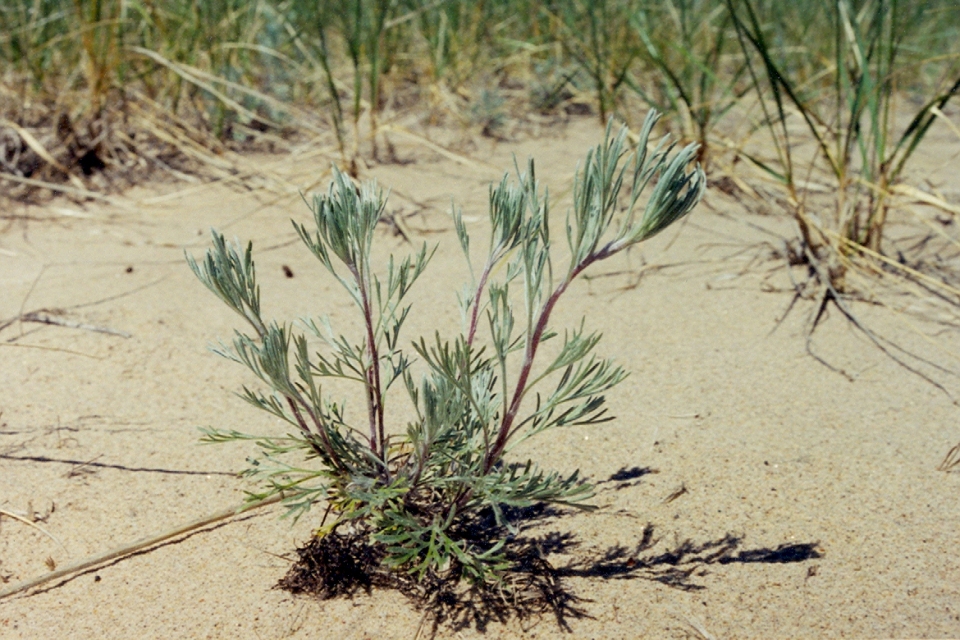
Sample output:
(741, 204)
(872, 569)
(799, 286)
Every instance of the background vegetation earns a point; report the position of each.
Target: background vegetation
(96, 93)
(94, 84)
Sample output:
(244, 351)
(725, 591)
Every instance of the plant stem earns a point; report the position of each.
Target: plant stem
(374, 394)
(476, 302)
(327, 445)
(494, 453)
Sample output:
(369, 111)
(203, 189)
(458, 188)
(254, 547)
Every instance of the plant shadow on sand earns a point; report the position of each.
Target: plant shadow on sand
(340, 565)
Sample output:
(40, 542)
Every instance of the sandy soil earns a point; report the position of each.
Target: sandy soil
(773, 451)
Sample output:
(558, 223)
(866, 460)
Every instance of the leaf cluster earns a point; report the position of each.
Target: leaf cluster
(414, 490)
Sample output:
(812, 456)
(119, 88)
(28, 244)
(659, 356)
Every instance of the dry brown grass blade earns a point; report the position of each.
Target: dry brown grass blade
(138, 545)
(952, 460)
(152, 110)
(62, 188)
(43, 317)
(185, 144)
(281, 167)
(933, 282)
(44, 348)
(926, 198)
(828, 293)
(940, 114)
(303, 120)
(29, 523)
(697, 627)
(866, 283)
(412, 15)
(216, 164)
(181, 71)
(224, 164)
(41, 151)
(936, 229)
(446, 153)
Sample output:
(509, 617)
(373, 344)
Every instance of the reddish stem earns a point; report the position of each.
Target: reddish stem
(494, 453)
(374, 395)
(476, 302)
(327, 446)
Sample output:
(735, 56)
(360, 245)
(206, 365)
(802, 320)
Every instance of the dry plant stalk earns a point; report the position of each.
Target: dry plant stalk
(133, 547)
(951, 461)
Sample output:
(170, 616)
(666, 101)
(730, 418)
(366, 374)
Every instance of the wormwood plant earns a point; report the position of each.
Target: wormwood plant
(416, 495)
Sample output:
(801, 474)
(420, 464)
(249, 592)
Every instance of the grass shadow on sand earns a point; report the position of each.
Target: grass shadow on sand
(340, 565)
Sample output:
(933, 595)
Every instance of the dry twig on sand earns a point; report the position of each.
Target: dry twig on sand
(30, 523)
(951, 461)
(48, 316)
(133, 547)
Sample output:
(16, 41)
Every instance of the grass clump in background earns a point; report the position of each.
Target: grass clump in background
(850, 108)
(97, 93)
(418, 496)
